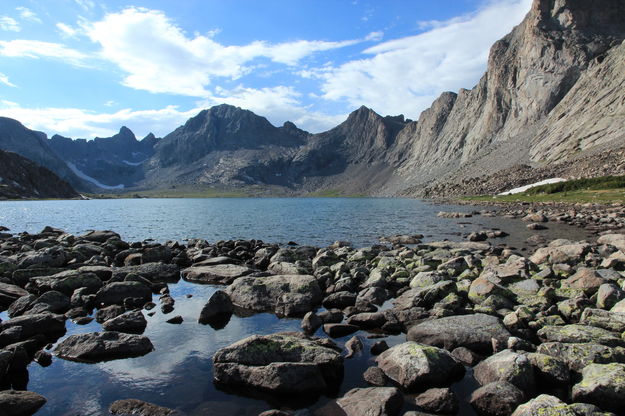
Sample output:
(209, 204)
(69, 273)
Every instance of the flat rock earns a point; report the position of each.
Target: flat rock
(339, 330)
(219, 273)
(131, 322)
(471, 331)
(136, 407)
(416, 366)
(9, 294)
(288, 295)
(576, 333)
(281, 363)
(48, 324)
(103, 346)
(612, 321)
(20, 403)
(602, 385)
(578, 356)
(116, 292)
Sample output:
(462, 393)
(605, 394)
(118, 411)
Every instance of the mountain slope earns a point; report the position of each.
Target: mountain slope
(22, 178)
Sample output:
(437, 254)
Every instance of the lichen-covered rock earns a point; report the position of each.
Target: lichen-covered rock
(612, 321)
(508, 366)
(471, 331)
(602, 385)
(544, 405)
(416, 366)
(578, 356)
(263, 294)
(549, 371)
(103, 346)
(283, 363)
(576, 333)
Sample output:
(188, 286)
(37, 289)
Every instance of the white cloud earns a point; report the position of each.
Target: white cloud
(405, 75)
(5, 80)
(27, 14)
(87, 5)
(159, 57)
(66, 30)
(36, 49)
(80, 123)
(8, 24)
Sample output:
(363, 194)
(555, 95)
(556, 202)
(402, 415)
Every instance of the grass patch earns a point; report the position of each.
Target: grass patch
(601, 183)
(333, 193)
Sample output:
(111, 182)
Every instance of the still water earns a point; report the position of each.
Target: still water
(178, 374)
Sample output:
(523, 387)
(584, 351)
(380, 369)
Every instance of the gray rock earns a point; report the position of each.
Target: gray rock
(508, 366)
(283, 363)
(68, 281)
(20, 403)
(466, 356)
(9, 294)
(498, 398)
(353, 346)
(52, 301)
(368, 320)
(108, 312)
(471, 331)
(47, 324)
(441, 400)
(612, 321)
(578, 356)
(262, 294)
(544, 405)
(375, 376)
(370, 401)
(223, 274)
(140, 408)
(339, 300)
(218, 306)
(311, 322)
(103, 346)
(602, 385)
(415, 366)
(576, 333)
(339, 330)
(132, 322)
(116, 292)
(608, 295)
(549, 371)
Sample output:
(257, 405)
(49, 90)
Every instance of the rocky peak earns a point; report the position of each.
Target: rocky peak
(597, 17)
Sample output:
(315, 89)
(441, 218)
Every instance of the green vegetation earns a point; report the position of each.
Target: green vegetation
(334, 193)
(604, 189)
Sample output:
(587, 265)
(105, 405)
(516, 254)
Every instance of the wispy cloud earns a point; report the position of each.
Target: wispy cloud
(158, 56)
(66, 30)
(8, 24)
(5, 80)
(405, 75)
(27, 14)
(38, 49)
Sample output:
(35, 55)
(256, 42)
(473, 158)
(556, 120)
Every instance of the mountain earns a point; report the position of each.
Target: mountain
(14, 137)
(551, 103)
(22, 178)
(111, 162)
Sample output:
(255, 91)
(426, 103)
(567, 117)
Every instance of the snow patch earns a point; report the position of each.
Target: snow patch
(88, 178)
(526, 187)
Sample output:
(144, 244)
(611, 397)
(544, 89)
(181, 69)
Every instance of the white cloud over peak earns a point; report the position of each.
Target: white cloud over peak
(38, 49)
(8, 24)
(158, 56)
(405, 75)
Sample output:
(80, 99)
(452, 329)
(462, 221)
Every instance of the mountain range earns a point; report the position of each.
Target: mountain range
(551, 103)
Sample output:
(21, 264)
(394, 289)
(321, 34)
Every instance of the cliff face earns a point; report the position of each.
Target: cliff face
(22, 178)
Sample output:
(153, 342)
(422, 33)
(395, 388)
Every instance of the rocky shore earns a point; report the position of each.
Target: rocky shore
(541, 333)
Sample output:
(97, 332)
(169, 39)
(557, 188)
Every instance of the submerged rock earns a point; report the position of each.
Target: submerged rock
(103, 346)
(281, 363)
(140, 408)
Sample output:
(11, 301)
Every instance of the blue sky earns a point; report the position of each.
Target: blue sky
(82, 68)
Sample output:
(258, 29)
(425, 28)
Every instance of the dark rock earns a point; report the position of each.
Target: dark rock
(218, 306)
(20, 403)
(374, 401)
(132, 322)
(332, 316)
(466, 356)
(139, 408)
(103, 346)
(498, 398)
(506, 366)
(368, 320)
(602, 385)
(379, 347)
(47, 324)
(339, 330)
(311, 322)
(223, 274)
(441, 400)
(116, 292)
(175, 320)
(100, 236)
(9, 294)
(339, 300)
(108, 312)
(375, 376)
(353, 346)
(43, 358)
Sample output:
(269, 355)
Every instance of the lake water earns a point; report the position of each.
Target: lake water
(178, 374)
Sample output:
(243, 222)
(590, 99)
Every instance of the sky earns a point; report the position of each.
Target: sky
(82, 68)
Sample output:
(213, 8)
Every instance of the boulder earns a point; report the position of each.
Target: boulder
(281, 363)
(339, 300)
(9, 294)
(441, 400)
(507, 366)
(616, 240)
(368, 320)
(263, 294)
(48, 324)
(576, 333)
(218, 307)
(311, 322)
(577, 356)
(375, 376)
(132, 322)
(100, 236)
(52, 301)
(549, 371)
(68, 281)
(370, 401)
(223, 274)
(339, 330)
(20, 403)
(585, 279)
(612, 321)
(416, 366)
(471, 331)
(140, 408)
(115, 293)
(602, 385)
(544, 405)
(498, 398)
(103, 346)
